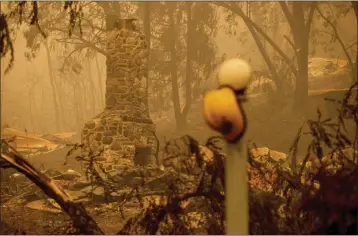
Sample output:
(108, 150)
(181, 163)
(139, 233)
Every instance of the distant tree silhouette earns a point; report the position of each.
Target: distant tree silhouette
(25, 12)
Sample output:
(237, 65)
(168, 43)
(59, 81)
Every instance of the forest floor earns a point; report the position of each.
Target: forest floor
(18, 216)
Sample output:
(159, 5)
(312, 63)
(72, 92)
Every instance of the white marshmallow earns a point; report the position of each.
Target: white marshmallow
(235, 73)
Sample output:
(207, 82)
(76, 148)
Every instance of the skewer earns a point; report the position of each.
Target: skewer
(224, 113)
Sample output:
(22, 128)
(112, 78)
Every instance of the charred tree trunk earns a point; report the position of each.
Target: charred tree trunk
(300, 29)
(275, 30)
(355, 7)
(355, 68)
(93, 92)
(188, 67)
(181, 114)
(301, 39)
(52, 82)
(173, 68)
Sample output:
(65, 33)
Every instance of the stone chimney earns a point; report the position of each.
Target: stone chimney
(124, 129)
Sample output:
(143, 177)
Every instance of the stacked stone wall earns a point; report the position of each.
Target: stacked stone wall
(124, 125)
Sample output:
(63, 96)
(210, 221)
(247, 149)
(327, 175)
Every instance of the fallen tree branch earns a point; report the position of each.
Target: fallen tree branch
(81, 220)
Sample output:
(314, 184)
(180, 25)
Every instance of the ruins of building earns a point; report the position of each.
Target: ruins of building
(124, 130)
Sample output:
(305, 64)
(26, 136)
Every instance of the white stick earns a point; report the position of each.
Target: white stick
(237, 205)
(236, 73)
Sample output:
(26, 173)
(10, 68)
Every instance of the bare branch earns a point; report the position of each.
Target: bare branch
(92, 26)
(288, 14)
(86, 42)
(266, 57)
(70, 54)
(355, 7)
(259, 30)
(291, 44)
(350, 46)
(310, 16)
(336, 34)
